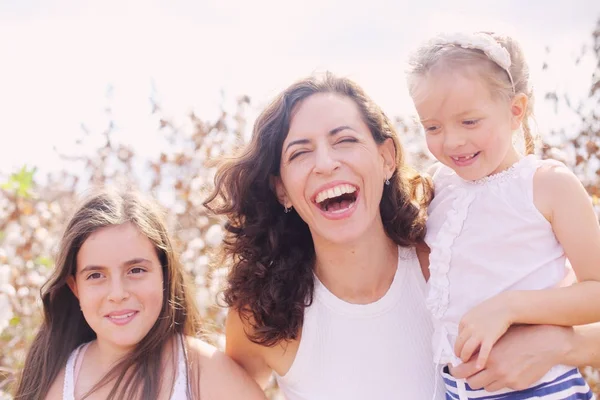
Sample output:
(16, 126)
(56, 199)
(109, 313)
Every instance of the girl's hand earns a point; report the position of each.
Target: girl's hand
(526, 353)
(481, 328)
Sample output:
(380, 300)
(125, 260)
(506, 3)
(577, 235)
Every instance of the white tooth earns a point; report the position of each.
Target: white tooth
(122, 316)
(334, 192)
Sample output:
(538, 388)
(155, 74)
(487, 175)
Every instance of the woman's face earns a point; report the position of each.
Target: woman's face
(332, 170)
(119, 284)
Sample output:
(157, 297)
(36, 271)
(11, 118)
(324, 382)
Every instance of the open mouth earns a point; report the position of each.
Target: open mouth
(337, 199)
(466, 158)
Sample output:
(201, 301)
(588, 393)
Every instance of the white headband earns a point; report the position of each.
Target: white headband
(479, 41)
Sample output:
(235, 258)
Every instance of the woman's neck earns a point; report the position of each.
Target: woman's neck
(359, 272)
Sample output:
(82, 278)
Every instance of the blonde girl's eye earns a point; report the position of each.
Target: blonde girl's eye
(432, 129)
(471, 122)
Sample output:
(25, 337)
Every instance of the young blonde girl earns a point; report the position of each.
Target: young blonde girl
(119, 315)
(502, 224)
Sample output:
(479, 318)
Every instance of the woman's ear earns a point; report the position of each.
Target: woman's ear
(518, 110)
(280, 192)
(387, 149)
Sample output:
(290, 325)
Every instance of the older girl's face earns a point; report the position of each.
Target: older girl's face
(332, 170)
(119, 284)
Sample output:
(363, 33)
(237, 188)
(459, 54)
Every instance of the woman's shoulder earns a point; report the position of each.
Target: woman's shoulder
(219, 376)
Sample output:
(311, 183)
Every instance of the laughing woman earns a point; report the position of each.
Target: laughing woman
(325, 230)
(119, 317)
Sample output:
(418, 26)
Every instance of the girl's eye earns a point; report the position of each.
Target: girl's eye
(470, 122)
(95, 275)
(137, 270)
(431, 129)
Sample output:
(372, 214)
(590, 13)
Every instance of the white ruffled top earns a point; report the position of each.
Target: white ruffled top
(486, 237)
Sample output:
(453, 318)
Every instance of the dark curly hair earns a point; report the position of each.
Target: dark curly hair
(272, 253)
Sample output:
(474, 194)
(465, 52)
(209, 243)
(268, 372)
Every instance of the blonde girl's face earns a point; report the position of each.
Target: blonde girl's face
(466, 127)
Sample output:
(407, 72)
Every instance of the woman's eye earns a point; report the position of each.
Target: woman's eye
(297, 154)
(347, 140)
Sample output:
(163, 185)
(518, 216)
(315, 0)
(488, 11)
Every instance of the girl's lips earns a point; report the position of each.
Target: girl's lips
(465, 161)
(121, 318)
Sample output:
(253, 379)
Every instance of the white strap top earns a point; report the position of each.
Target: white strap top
(76, 360)
(376, 351)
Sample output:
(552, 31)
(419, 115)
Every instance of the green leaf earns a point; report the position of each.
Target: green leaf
(21, 182)
(14, 321)
(45, 261)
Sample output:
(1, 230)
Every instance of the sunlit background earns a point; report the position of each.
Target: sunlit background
(137, 70)
(63, 62)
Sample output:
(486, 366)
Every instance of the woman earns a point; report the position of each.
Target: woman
(325, 229)
(119, 316)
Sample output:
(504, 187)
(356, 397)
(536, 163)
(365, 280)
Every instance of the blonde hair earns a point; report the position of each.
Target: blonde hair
(434, 56)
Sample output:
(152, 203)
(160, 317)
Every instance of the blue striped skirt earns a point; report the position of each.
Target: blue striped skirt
(568, 386)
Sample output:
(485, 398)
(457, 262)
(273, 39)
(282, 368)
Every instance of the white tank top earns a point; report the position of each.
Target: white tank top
(76, 359)
(380, 350)
(487, 237)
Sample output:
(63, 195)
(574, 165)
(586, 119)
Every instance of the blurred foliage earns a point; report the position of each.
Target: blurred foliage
(33, 210)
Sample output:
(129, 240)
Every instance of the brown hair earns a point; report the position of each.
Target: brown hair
(272, 253)
(64, 327)
(433, 56)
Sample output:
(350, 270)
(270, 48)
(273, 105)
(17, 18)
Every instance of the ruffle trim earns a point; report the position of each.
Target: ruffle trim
(441, 253)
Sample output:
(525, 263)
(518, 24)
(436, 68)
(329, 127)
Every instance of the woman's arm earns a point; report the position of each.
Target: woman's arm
(526, 353)
(220, 378)
(247, 354)
(584, 347)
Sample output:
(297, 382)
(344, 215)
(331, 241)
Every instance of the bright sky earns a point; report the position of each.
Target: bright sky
(58, 57)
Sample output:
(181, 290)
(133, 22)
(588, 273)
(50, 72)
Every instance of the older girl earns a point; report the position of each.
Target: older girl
(119, 317)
